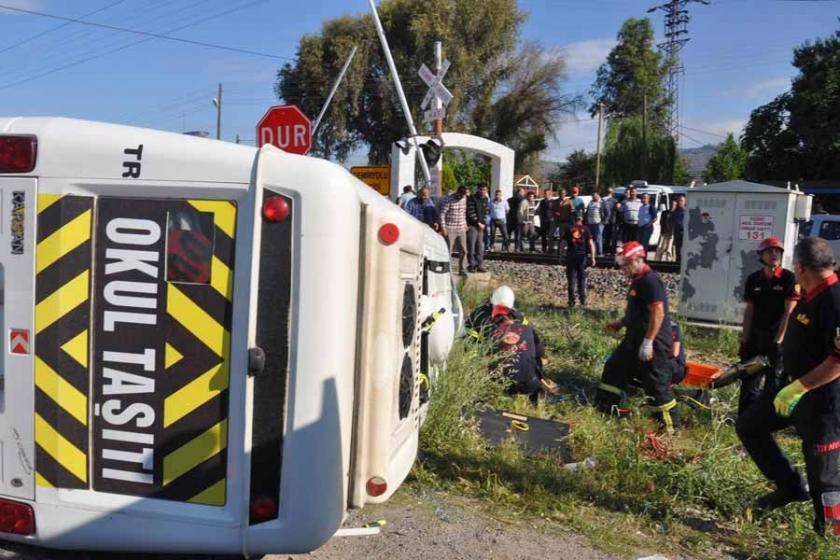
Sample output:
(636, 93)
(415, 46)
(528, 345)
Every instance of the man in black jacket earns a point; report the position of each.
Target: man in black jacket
(514, 221)
(477, 208)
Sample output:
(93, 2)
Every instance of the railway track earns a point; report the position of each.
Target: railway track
(600, 262)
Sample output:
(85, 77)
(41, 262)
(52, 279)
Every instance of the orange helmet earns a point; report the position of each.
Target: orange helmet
(770, 243)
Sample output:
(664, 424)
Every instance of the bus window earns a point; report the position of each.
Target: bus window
(189, 246)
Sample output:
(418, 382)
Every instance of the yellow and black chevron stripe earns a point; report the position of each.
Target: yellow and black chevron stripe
(62, 319)
(197, 372)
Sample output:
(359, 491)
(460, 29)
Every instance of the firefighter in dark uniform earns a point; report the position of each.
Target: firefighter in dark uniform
(811, 402)
(679, 368)
(770, 295)
(517, 352)
(645, 352)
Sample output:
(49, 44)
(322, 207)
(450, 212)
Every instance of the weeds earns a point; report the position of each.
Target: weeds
(698, 500)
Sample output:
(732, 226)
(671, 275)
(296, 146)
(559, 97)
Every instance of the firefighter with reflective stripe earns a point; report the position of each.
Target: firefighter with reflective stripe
(770, 295)
(811, 402)
(479, 323)
(645, 352)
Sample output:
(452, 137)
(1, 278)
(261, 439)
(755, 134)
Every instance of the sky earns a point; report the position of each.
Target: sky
(737, 59)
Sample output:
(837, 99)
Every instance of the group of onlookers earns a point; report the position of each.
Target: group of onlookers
(473, 221)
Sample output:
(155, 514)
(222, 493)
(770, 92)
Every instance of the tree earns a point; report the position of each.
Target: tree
(727, 163)
(626, 157)
(797, 135)
(479, 38)
(578, 169)
(528, 114)
(634, 71)
(468, 169)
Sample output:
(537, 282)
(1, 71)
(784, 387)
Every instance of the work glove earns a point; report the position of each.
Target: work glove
(788, 398)
(646, 350)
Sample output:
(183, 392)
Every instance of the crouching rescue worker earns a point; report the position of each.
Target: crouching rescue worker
(645, 352)
(479, 323)
(811, 359)
(517, 352)
(770, 295)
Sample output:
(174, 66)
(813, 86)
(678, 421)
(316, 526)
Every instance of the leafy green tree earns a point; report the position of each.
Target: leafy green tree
(634, 70)
(528, 114)
(468, 169)
(727, 163)
(487, 73)
(578, 169)
(797, 135)
(627, 158)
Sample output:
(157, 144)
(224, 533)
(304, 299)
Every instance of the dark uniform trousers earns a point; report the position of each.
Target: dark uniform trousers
(818, 424)
(760, 344)
(656, 376)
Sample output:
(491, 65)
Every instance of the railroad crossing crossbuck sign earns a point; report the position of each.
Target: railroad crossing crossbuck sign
(286, 127)
(437, 92)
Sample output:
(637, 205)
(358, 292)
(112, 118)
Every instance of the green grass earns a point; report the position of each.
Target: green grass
(698, 500)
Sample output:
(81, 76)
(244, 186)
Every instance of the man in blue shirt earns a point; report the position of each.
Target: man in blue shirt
(423, 208)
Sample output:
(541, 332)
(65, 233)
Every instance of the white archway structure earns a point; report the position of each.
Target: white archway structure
(501, 159)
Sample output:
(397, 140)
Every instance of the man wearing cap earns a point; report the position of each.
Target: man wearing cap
(645, 351)
(770, 294)
(811, 357)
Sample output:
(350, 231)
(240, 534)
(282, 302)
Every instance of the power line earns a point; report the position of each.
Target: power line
(56, 28)
(147, 38)
(703, 131)
(148, 34)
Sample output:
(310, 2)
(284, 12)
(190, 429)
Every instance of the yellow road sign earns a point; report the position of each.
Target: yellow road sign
(376, 176)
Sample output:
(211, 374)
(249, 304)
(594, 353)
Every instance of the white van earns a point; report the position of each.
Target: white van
(826, 226)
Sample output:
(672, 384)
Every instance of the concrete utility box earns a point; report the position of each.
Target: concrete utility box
(724, 224)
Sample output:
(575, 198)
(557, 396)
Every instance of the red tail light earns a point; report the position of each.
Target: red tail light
(16, 518)
(262, 508)
(17, 154)
(376, 486)
(389, 234)
(275, 209)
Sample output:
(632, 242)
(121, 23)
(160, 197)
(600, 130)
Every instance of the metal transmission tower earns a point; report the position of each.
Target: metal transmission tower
(676, 35)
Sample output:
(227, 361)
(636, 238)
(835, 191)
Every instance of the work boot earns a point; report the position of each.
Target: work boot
(480, 269)
(781, 497)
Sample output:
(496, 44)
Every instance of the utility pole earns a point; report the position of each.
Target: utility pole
(219, 114)
(676, 23)
(438, 102)
(598, 148)
(644, 138)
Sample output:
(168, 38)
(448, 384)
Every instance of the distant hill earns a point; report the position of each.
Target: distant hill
(697, 158)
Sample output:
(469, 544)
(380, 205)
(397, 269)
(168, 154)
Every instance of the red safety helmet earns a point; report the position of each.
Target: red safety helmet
(629, 250)
(770, 243)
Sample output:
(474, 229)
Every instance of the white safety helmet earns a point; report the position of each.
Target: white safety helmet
(502, 295)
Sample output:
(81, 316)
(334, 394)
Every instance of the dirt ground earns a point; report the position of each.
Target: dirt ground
(431, 527)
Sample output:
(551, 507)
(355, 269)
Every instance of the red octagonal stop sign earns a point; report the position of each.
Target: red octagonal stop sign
(286, 127)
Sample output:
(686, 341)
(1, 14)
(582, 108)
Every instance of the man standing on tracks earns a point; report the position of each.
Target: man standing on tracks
(770, 294)
(578, 242)
(453, 221)
(679, 220)
(515, 218)
(609, 214)
(630, 208)
(498, 216)
(544, 212)
(811, 357)
(477, 209)
(561, 214)
(645, 351)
